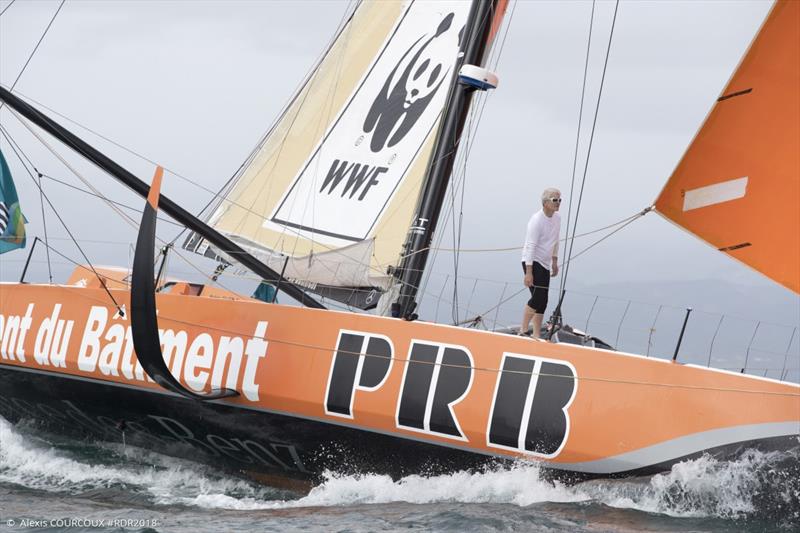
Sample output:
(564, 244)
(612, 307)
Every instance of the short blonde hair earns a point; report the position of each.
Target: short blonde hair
(548, 193)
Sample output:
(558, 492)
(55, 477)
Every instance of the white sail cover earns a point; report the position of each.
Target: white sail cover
(333, 185)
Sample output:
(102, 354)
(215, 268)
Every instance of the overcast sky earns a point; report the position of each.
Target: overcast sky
(193, 84)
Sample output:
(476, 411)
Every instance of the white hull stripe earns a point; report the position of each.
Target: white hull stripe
(683, 446)
(715, 194)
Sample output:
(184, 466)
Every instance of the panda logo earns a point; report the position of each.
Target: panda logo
(411, 86)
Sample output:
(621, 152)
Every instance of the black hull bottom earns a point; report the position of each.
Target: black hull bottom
(255, 443)
(278, 449)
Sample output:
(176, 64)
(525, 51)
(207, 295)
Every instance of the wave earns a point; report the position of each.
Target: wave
(30, 461)
(758, 485)
(521, 485)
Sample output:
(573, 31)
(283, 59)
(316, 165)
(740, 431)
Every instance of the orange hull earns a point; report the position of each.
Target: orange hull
(579, 409)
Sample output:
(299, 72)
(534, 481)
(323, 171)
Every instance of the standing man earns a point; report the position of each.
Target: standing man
(540, 257)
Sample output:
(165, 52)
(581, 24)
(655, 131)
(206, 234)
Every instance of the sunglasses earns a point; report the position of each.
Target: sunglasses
(555, 200)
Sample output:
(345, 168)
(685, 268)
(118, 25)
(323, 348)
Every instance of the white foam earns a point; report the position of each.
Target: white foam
(702, 487)
(27, 463)
(521, 485)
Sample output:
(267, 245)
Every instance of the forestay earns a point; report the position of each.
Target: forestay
(328, 195)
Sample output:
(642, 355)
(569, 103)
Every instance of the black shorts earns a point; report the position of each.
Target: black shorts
(541, 286)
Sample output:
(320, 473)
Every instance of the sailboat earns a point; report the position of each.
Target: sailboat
(324, 208)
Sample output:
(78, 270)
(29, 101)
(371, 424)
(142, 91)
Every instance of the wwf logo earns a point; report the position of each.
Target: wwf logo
(410, 87)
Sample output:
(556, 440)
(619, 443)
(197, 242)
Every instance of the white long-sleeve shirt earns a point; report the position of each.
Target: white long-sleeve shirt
(541, 239)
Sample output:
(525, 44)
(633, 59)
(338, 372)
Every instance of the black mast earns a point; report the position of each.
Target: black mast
(429, 205)
(165, 204)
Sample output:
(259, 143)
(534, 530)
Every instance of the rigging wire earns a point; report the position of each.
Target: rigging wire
(456, 180)
(39, 184)
(465, 140)
(109, 202)
(324, 119)
(216, 195)
(41, 199)
(99, 195)
(557, 312)
(70, 261)
(512, 248)
(468, 141)
(221, 196)
(123, 215)
(639, 215)
(104, 198)
(639, 302)
(44, 224)
(64, 224)
(624, 223)
(132, 152)
(129, 220)
(6, 8)
(472, 128)
(430, 272)
(677, 308)
(468, 148)
(578, 132)
(628, 221)
(85, 181)
(122, 147)
(21, 72)
(503, 301)
(458, 226)
(211, 201)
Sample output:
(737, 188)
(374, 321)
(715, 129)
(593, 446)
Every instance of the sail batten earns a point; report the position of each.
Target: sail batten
(737, 186)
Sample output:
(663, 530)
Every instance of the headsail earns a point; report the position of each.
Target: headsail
(12, 223)
(738, 185)
(328, 195)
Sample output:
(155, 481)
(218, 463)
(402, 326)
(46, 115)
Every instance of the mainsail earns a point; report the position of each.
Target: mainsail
(738, 185)
(328, 195)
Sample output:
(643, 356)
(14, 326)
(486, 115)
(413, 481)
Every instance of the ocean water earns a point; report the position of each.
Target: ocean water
(50, 483)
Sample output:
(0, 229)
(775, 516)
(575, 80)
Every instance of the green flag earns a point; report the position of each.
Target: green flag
(12, 223)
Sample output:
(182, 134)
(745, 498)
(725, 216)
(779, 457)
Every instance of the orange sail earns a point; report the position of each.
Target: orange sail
(738, 185)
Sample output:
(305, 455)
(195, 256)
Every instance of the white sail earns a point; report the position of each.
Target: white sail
(333, 186)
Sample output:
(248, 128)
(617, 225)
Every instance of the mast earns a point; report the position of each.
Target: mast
(165, 204)
(429, 205)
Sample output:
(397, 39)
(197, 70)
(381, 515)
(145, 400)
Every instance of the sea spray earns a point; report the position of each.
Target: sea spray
(28, 461)
(757, 485)
(758, 488)
(521, 485)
